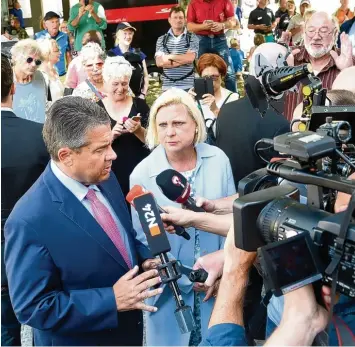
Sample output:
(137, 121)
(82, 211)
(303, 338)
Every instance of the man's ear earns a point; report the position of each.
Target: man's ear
(13, 89)
(65, 156)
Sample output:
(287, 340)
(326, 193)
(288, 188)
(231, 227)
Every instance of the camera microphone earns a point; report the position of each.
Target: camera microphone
(176, 188)
(284, 78)
(139, 190)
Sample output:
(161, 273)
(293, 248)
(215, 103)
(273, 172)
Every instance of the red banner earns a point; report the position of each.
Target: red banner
(138, 14)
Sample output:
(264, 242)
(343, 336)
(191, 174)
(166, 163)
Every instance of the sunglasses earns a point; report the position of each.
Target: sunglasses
(29, 60)
(91, 66)
(213, 77)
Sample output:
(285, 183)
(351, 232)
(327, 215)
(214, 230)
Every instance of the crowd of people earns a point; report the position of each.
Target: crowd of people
(76, 264)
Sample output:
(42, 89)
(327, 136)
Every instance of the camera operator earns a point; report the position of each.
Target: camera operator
(302, 320)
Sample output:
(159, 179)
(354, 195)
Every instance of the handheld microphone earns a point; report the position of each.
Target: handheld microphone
(139, 190)
(176, 188)
(159, 245)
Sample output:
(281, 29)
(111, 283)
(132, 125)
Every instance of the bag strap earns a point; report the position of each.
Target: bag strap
(226, 99)
(93, 89)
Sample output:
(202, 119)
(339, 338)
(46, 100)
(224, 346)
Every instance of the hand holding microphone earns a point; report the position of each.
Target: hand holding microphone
(176, 188)
(139, 190)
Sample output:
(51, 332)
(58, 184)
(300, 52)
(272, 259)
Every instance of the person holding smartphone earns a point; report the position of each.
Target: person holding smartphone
(129, 118)
(213, 68)
(85, 16)
(262, 21)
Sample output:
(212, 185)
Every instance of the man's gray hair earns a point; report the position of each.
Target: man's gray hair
(68, 122)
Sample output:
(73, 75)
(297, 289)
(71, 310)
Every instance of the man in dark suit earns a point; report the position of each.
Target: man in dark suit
(23, 159)
(71, 253)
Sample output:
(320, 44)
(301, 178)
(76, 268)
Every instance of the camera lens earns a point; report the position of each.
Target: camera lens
(343, 131)
(289, 214)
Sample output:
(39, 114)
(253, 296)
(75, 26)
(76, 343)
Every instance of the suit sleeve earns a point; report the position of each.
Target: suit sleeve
(36, 292)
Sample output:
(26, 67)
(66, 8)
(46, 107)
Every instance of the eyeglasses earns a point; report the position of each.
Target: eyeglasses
(91, 66)
(322, 32)
(213, 77)
(29, 60)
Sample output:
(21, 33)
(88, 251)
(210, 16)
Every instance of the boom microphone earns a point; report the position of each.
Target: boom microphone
(139, 190)
(159, 245)
(284, 78)
(176, 188)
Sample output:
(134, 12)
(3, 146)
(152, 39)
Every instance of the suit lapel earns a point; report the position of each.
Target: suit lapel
(73, 209)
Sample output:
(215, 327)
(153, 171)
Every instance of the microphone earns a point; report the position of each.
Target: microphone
(176, 188)
(139, 190)
(159, 245)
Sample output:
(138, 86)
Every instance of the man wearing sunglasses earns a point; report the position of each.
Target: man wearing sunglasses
(51, 24)
(321, 32)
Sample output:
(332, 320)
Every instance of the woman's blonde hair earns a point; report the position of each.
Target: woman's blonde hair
(46, 46)
(116, 67)
(22, 49)
(117, 39)
(174, 96)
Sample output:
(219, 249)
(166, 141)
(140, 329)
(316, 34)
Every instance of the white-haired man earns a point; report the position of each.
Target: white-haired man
(321, 32)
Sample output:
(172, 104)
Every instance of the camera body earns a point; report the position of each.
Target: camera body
(295, 242)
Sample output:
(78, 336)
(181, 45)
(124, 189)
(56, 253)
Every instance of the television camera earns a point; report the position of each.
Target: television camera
(298, 243)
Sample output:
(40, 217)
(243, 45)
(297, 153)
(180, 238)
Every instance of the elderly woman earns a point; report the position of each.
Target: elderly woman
(51, 54)
(214, 67)
(129, 117)
(93, 58)
(76, 71)
(124, 36)
(31, 89)
(177, 131)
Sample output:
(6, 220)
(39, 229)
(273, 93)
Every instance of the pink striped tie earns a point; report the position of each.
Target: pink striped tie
(105, 219)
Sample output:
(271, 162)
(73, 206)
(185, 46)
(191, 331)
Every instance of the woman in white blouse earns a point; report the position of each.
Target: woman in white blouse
(213, 66)
(51, 53)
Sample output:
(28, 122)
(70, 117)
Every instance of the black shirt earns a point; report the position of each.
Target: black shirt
(261, 16)
(129, 149)
(239, 126)
(283, 24)
(280, 13)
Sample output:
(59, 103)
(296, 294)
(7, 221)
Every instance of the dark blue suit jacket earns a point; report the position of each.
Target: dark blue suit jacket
(61, 267)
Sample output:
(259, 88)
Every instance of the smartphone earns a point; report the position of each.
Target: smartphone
(86, 2)
(203, 85)
(136, 118)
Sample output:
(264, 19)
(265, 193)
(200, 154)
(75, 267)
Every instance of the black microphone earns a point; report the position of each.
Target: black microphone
(176, 188)
(139, 190)
(159, 245)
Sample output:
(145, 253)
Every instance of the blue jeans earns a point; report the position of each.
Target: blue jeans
(10, 326)
(344, 309)
(218, 45)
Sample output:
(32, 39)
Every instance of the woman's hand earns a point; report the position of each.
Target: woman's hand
(133, 124)
(192, 93)
(118, 130)
(210, 101)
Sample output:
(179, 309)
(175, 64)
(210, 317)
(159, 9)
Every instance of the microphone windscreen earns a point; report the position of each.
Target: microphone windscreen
(169, 182)
(133, 193)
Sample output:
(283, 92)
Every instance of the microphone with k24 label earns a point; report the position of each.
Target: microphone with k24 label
(169, 270)
(176, 188)
(139, 190)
